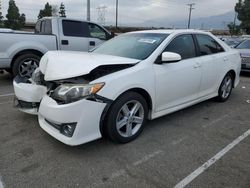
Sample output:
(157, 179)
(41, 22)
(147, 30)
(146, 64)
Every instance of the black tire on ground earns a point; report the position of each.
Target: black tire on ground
(21, 59)
(222, 97)
(115, 110)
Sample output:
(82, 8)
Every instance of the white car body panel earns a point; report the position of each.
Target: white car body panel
(36, 92)
(85, 130)
(53, 64)
(176, 93)
(171, 86)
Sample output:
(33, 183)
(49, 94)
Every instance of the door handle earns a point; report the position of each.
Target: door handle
(225, 59)
(197, 65)
(92, 43)
(65, 42)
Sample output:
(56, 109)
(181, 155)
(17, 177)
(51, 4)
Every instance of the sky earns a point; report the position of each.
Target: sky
(135, 12)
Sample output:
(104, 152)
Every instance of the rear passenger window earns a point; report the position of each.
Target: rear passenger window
(75, 28)
(182, 45)
(208, 45)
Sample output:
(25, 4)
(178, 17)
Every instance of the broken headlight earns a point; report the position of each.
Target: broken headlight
(68, 93)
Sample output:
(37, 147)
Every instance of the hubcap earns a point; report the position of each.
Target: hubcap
(27, 67)
(130, 118)
(226, 87)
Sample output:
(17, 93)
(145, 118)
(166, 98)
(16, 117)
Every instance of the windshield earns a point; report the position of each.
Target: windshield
(244, 45)
(132, 45)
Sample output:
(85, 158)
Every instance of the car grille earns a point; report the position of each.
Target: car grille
(246, 60)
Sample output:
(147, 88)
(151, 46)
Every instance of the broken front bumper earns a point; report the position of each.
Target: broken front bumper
(84, 114)
(28, 95)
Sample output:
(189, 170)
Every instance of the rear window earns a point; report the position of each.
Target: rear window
(38, 27)
(75, 28)
(44, 27)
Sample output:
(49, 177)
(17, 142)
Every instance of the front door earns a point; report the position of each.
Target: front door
(178, 83)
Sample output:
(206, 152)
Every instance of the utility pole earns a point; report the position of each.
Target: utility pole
(116, 20)
(88, 10)
(235, 17)
(190, 13)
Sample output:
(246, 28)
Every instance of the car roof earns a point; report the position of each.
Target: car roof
(173, 31)
(63, 18)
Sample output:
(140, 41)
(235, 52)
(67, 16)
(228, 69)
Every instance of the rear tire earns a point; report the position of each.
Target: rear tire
(126, 117)
(225, 89)
(25, 65)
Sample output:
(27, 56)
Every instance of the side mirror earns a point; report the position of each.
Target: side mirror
(111, 35)
(170, 57)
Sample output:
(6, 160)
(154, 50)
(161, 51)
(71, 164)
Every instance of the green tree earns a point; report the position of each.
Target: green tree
(243, 10)
(1, 16)
(62, 11)
(14, 19)
(233, 29)
(1, 20)
(22, 19)
(47, 11)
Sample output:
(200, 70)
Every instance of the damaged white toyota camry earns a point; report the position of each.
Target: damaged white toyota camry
(134, 77)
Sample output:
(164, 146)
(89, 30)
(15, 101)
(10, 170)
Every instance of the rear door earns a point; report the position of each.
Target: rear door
(74, 35)
(212, 58)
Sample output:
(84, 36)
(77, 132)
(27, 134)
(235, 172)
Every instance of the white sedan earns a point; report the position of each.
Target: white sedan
(79, 97)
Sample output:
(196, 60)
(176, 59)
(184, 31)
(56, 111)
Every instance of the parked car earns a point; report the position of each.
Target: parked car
(232, 42)
(244, 49)
(20, 52)
(127, 80)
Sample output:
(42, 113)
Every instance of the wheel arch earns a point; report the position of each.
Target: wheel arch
(138, 90)
(233, 73)
(26, 51)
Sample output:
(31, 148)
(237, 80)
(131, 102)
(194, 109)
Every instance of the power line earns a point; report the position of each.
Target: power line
(190, 13)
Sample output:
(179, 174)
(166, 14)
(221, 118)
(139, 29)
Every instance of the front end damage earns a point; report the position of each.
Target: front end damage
(29, 93)
(67, 102)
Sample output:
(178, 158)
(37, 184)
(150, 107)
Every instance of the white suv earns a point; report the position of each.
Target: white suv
(134, 77)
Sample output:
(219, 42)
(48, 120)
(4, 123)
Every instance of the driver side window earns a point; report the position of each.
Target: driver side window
(182, 45)
(96, 32)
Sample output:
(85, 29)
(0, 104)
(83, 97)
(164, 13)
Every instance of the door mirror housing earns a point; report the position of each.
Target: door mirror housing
(170, 57)
(111, 35)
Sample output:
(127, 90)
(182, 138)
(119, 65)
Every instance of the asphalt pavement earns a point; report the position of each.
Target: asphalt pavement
(206, 145)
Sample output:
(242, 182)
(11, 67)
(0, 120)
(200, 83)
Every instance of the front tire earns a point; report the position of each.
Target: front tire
(126, 117)
(226, 88)
(25, 65)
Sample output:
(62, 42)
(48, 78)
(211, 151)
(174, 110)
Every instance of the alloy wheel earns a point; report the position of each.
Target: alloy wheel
(226, 87)
(130, 118)
(27, 67)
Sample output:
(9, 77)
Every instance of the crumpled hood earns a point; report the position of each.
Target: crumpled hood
(57, 65)
(244, 52)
